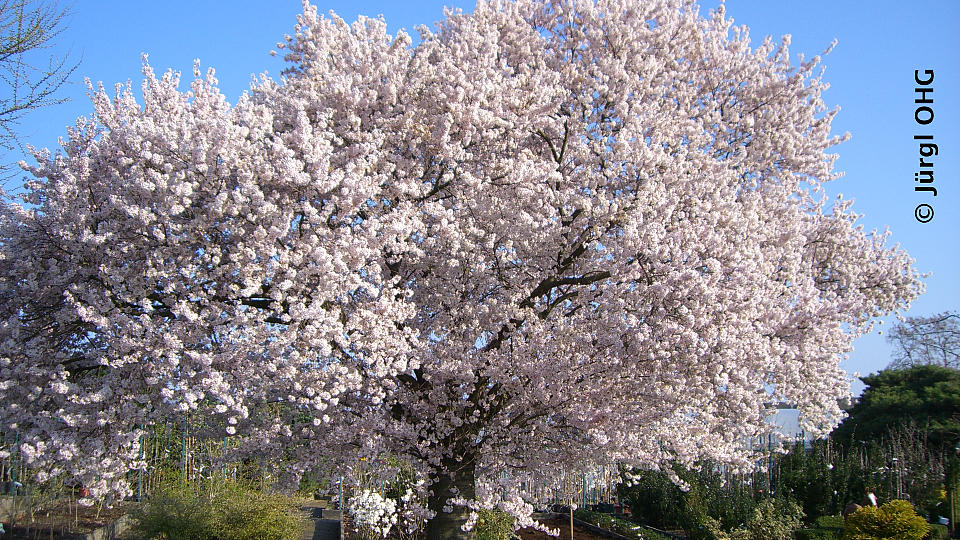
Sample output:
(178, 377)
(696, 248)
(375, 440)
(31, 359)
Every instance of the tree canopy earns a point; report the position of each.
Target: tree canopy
(925, 396)
(549, 236)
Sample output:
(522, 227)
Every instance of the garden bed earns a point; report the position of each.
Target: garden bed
(579, 532)
(66, 520)
(588, 531)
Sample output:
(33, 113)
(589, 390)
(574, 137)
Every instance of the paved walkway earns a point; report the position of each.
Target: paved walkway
(324, 523)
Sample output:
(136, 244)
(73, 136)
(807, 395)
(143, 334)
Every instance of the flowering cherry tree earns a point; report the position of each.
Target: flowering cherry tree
(550, 235)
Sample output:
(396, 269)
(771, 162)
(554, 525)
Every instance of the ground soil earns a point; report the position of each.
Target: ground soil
(60, 520)
(563, 524)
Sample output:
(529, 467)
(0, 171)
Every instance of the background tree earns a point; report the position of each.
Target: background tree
(921, 341)
(708, 497)
(551, 236)
(827, 477)
(924, 397)
(26, 28)
(654, 498)
(812, 478)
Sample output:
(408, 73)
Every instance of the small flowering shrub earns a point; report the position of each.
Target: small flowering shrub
(373, 514)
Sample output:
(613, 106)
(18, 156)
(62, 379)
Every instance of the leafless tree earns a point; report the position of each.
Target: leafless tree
(933, 340)
(29, 79)
(914, 468)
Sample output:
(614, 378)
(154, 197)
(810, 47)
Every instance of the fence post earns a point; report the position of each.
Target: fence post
(770, 463)
(184, 449)
(140, 472)
(13, 464)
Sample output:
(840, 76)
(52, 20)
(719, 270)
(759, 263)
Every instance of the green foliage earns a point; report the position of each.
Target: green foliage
(830, 522)
(617, 525)
(241, 513)
(310, 485)
(695, 518)
(223, 510)
(654, 499)
(730, 503)
(826, 477)
(822, 479)
(895, 520)
(926, 396)
(494, 525)
(175, 512)
(816, 534)
(937, 532)
(772, 519)
(825, 528)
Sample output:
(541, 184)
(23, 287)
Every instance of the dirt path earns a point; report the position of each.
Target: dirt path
(323, 524)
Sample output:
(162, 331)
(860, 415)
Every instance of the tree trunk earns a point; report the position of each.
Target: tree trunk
(446, 526)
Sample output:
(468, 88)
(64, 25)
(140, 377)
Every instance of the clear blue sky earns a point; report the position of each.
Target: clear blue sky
(881, 43)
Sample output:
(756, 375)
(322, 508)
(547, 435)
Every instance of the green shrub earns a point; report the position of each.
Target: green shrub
(654, 499)
(696, 519)
(245, 514)
(311, 487)
(494, 525)
(772, 519)
(225, 511)
(816, 534)
(829, 522)
(824, 528)
(175, 512)
(937, 532)
(895, 520)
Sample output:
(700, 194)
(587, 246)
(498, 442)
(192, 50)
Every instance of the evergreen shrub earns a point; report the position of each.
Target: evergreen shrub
(895, 520)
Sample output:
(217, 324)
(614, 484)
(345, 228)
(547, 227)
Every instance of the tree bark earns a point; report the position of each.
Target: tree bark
(446, 526)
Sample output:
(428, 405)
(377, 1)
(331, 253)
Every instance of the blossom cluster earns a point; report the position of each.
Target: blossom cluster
(373, 512)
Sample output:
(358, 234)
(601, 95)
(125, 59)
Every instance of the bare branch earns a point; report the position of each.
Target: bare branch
(933, 340)
(28, 80)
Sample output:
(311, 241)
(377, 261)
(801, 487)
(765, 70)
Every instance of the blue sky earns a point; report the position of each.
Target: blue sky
(881, 43)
